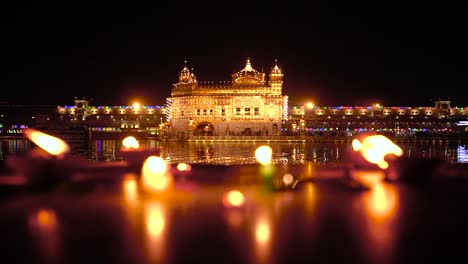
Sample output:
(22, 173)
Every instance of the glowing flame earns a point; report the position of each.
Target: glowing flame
(154, 174)
(184, 167)
(234, 198)
(263, 154)
(53, 145)
(130, 142)
(46, 218)
(287, 178)
(374, 149)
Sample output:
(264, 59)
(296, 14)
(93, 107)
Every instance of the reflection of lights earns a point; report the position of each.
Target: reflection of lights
(183, 167)
(155, 222)
(51, 144)
(263, 154)
(462, 154)
(368, 178)
(262, 233)
(381, 202)
(234, 198)
(310, 198)
(46, 219)
(130, 189)
(374, 148)
(45, 226)
(130, 142)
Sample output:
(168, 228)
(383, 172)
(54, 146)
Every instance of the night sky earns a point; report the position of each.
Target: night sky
(333, 54)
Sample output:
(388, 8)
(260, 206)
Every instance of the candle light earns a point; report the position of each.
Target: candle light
(49, 163)
(369, 156)
(134, 154)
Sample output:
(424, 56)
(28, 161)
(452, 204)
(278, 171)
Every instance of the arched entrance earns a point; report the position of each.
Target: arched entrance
(203, 129)
(275, 129)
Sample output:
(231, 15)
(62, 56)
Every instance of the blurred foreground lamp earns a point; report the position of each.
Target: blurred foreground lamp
(155, 174)
(375, 148)
(369, 164)
(45, 164)
(134, 154)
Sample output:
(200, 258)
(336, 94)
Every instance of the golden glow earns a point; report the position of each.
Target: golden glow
(155, 165)
(130, 142)
(262, 233)
(288, 178)
(369, 178)
(310, 105)
(263, 154)
(51, 144)
(184, 167)
(154, 174)
(130, 188)
(374, 149)
(234, 198)
(46, 219)
(136, 105)
(381, 202)
(155, 221)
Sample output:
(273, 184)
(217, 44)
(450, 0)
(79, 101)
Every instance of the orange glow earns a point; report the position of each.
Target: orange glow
(381, 202)
(184, 167)
(154, 174)
(130, 189)
(287, 178)
(155, 222)
(262, 233)
(130, 142)
(374, 149)
(263, 154)
(234, 198)
(136, 105)
(53, 145)
(368, 178)
(310, 105)
(46, 218)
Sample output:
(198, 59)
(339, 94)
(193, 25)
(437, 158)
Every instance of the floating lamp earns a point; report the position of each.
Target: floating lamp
(134, 154)
(371, 153)
(155, 174)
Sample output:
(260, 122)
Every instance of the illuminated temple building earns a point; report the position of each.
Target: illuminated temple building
(248, 105)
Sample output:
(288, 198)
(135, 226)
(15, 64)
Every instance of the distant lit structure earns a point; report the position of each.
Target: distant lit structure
(248, 105)
(391, 120)
(101, 119)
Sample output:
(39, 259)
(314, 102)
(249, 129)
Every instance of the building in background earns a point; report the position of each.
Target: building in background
(248, 105)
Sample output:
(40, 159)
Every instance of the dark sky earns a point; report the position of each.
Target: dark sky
(334, 54)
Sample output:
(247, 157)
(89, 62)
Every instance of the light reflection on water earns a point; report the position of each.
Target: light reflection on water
(244, 152)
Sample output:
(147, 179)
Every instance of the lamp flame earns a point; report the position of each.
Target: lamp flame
(374, 149)
(53, 145)
(130, 142)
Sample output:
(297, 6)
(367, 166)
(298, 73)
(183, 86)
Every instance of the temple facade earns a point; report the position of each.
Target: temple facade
(250, 104)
